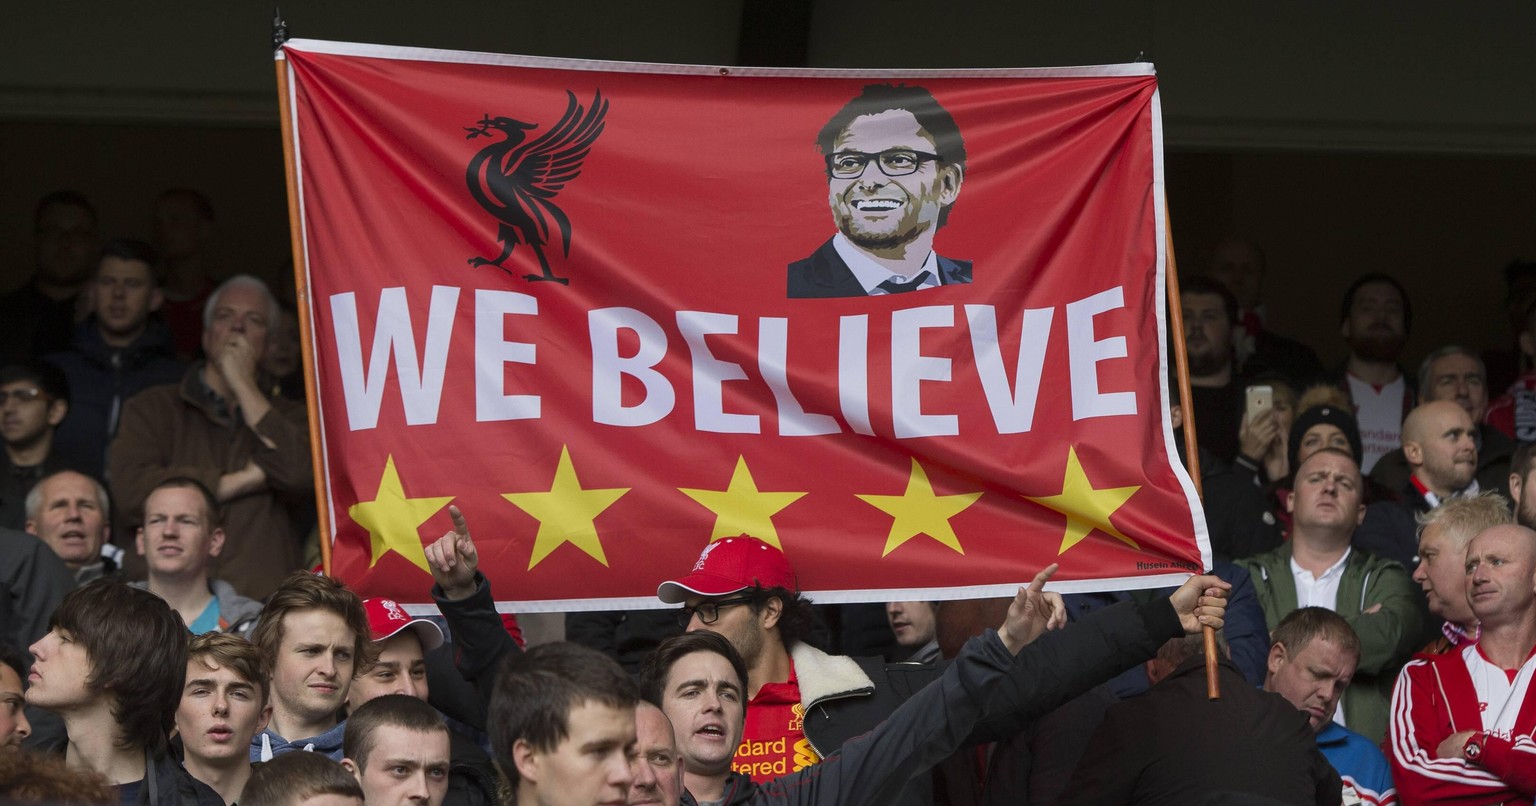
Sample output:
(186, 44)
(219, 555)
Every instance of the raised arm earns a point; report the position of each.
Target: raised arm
(1032, 612)
(942, 716)
(1063, 664)
(463, 595)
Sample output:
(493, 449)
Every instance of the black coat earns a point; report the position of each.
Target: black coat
(628, 636)
(1173, 745)
(472, 778)
(889, 765)
(165, 783)
(1494, 450)
(101, 379)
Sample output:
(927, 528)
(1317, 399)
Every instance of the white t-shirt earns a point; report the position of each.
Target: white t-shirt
(1321, 591)
(1499, 694)
(1380, 415)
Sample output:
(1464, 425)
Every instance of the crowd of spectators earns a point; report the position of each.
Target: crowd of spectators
(1375, 587)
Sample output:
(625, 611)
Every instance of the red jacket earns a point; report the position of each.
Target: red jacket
(1514, 412)
(1435, 697)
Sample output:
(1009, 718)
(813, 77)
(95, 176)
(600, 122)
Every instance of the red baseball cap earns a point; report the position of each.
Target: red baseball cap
(729, 565)
(386, 618)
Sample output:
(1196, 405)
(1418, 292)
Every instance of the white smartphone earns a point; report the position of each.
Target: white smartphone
(1260, 400)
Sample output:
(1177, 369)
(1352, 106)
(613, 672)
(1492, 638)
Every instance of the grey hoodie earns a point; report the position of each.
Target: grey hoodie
(237, 614)
(266, 745)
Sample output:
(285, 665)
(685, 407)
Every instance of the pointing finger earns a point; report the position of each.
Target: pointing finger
(1043, 577)
(460, 527)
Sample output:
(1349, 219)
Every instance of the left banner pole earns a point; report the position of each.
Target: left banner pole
(301, 295)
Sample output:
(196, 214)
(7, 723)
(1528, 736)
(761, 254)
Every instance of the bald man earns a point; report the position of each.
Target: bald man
(1457, 374)
(1440, 445)
(1439, 442)
(1464, 723)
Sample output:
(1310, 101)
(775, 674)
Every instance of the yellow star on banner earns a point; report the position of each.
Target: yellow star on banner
(392, 519)
(741, 509)
(919, 512)
(1086, 508)
(565, 513)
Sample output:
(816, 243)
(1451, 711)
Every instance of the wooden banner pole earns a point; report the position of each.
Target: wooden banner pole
(306, 338)
(1191, 443)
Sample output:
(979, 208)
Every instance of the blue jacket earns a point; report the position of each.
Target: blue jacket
(1358, 762)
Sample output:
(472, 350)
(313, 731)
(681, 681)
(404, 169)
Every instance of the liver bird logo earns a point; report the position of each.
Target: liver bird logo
(516, 180)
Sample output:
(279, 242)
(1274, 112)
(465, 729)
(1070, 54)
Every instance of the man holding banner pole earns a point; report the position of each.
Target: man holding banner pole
(805, 704)
(699, 679)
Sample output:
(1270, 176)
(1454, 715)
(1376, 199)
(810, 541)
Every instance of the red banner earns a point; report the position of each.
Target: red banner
(906, 326)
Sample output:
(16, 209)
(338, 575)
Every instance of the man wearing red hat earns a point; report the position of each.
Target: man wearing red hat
(403, 643)
(745, 590)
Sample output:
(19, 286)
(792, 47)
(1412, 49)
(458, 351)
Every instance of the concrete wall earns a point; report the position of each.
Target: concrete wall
(1372, 75)
(1373, 135)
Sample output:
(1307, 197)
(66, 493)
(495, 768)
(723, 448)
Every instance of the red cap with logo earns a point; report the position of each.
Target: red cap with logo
(729, 565)
(386, 617)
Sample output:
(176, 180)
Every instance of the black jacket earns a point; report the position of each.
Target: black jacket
(1494, 450)
(1390, 529)
(472, 777)
(166, 782)
(628, 636)
(480, 642)
(1273, 352)
(33, 580)
(1174, 745)
(101, 379)
(980, 697)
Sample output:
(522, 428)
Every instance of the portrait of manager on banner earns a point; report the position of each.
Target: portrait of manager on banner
(895, 163)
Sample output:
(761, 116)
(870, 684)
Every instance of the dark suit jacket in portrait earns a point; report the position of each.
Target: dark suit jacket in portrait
(824, 275)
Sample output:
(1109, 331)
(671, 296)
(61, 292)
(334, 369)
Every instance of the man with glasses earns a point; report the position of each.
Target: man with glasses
(34, 398)
(895, 161)
(745, 590)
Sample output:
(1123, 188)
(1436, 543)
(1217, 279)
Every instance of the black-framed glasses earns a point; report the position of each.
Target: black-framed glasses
(24, 395)
(708, 612)
(892, 162)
